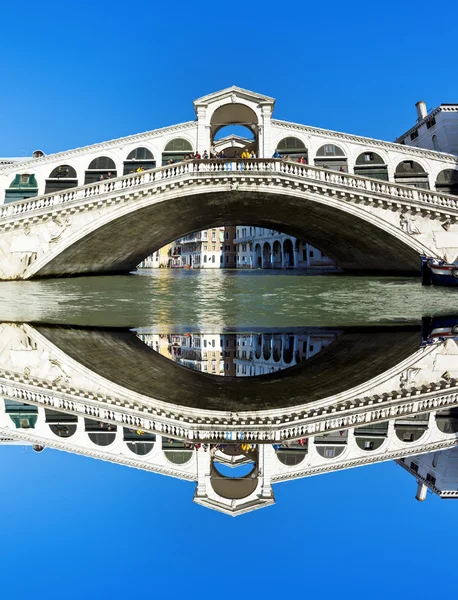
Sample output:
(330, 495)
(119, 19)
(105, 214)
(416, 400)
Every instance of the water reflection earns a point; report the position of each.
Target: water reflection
(336, 398)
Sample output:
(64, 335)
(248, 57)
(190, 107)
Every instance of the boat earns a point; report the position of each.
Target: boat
(439, 329)
(437, 272)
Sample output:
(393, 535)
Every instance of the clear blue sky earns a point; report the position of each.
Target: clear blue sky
(75, 73)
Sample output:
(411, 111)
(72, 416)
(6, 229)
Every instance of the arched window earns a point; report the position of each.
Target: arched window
(139, 442)
(99, 169)
(176, 452)
(411, 429)
(436, 144)
(288, 253)
(331, 157)
(409, 172)
(370, 164)
(60, 423)
(139, 159)
(176, 150)
(447, 181)
(292, 147)
(101, 434)
(371, 437)
(24, 185)
(291, 455)
(447, 420)
(61, 178)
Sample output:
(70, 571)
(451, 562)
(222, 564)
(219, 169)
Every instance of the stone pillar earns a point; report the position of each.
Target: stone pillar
(203, 130)
(265, 135)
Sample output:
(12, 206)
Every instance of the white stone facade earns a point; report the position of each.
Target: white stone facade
(208, 249)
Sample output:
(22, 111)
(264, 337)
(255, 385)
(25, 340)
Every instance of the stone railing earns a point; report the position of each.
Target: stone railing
(387, 192)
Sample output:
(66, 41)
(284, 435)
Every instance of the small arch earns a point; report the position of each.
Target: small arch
(176, 452)
(101, 434)
(232, 488)
(370, 164)
(23, 186)
(447, 420)
(139, 442)
(332, 157)
(288, 253)
(266, 346)
(288, 352)
(234, 114)
(266, 256)
(61, 178)
(258, 256)
(100, 168)
(277, 255)
(60, 423)
(409, 172)
(292, 147)
(139, 159)
(176, 150)
(277, 348)
(293, 454)
(371, 437)
(330, 451)
(411, 429)
(447, 181)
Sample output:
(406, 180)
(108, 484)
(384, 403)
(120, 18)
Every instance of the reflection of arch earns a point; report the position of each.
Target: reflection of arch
(266, 346)
(331, 157)
(277, 347)
(291, 455)
(370, 164)
(258, 256)
(266, 256)
(101, 167)
(24, 416)
(288, 253)
(60, 423)
(447, 181)
(447, 420)
(176, 452)
(292, 147)
(176, 150)
(277, 255)
(371, 437)
(140, 158)
(411, 429)
(61, 178)
(409, 172)
(258, 346)
(231, 488)
(100, 433)
(288, 351)
(139, 442)
(330, 451)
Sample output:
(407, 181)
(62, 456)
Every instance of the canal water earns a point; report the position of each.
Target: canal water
(177, 300)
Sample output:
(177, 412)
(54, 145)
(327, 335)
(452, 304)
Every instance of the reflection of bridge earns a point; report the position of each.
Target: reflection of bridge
(399, 401)
(365, 203)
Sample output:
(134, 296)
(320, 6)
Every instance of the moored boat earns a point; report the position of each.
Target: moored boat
(437, 272)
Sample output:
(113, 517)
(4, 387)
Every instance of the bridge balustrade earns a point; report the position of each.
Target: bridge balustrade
(230, 168)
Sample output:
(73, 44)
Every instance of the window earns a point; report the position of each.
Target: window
(227, 354)
(205, 235)
(329, 452)
(205, 343)
(414, 134)
(368, 156)
(205, 257)
(213, 236)
(311, 347)
(368, 445)
(430, 123)
(227, 235)
(213, 248)
(430, 478)
(205, 246)
(243, 247)
(304, 254)
(227, 258)
(414, 467)
(311, 253)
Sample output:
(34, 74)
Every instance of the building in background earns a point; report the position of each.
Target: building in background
(208, 249)
(161, 259)
(260, 248)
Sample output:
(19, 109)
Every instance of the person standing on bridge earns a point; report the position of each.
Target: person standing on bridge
(276, 154)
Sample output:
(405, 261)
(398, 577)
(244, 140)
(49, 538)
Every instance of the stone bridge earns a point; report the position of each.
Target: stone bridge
(367, 204)
(75, 390)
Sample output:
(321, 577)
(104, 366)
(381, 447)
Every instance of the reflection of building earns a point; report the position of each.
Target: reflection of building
(260, 248)
(259, 354)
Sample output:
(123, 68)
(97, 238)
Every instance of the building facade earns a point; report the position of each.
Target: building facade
(208, 249)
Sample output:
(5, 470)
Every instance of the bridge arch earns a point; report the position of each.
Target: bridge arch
(119, 239)
(99, 168)
(410, 172)
(139, 158)
(175, 150)
(371, 164)
(447, 181)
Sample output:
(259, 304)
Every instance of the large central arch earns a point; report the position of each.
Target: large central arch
(349, 234)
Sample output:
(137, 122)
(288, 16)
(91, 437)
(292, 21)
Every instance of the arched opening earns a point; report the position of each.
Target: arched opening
(176, 151)
(139, 442)
(266, 256)
(331, 157)
(277, 255)
(99, 169)
(292, 453)
(411, 429)
(370, 164)
(61, 178)
(24, 416)
(288, 352)
(140, 159)
(293, 148)
(60, 423)
(277, 347)
(232, 117)
(331, 445)
(24, 185)
(409, 172)
(258, 339)
(258, 256)
(266, 346)
(288, 253)
(447, 181)
(371, 437)
(231, 141)
(101, 434)
(236, 471)
(176, 451)
(234, 488)
(447, 420)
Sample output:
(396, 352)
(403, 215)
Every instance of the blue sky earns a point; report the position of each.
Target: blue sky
(74, 73)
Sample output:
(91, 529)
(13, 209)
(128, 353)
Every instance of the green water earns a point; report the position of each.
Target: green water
(212, 300)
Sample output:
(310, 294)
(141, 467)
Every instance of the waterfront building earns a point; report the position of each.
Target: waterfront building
(208, 249)
(160, 259)
(261, 248)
